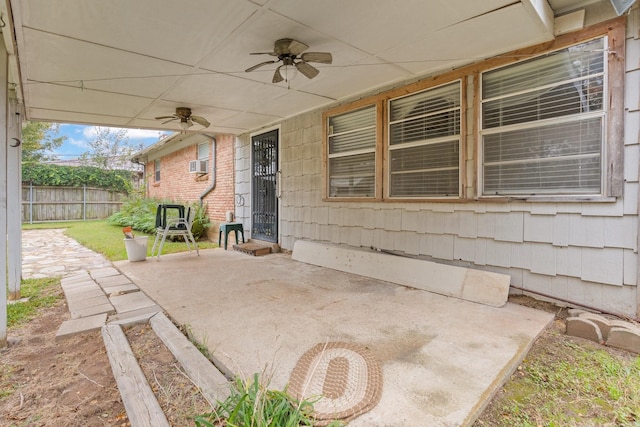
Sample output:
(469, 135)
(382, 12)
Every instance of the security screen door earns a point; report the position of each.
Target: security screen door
(264, 203)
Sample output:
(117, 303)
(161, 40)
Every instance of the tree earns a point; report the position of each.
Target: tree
(39, 139)
(110, 149)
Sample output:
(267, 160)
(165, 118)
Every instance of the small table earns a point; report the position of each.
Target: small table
(226, 228)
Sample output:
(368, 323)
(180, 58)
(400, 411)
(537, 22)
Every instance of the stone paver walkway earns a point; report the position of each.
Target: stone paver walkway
(49, 252)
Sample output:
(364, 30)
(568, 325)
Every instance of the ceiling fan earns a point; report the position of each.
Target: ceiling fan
(186, 119)
(289, 51)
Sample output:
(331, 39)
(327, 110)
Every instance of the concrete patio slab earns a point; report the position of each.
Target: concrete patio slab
(113, 280)
(103, 272)
(84, 324)
(132, 301)
(120, 289)
(442, 358)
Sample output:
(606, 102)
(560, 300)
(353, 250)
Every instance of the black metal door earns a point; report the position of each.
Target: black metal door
(264, 203)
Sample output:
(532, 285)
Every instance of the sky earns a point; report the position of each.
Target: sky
(78, 137)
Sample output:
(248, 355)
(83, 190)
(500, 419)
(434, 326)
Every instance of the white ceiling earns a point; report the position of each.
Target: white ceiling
(122, 62)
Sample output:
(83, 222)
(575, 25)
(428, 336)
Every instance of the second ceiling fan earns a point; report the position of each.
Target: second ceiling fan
(290, 52)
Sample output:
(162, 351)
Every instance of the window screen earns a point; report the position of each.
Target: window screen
(543, 123)
(156, 165)
(352, 153)
(424, 143)
(203, 151)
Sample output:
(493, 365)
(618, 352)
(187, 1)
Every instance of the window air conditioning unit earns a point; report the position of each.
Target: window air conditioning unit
(198, 166)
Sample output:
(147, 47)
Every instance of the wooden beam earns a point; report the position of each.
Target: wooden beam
(212, 384)
(4, 247)
(141, 404)
(14, 198)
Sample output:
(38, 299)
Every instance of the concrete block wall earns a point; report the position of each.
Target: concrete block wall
(585, 252)
(177, 184)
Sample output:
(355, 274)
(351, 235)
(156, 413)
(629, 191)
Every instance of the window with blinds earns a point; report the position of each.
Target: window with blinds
(543, 124)
(352, 142)
(424, 143)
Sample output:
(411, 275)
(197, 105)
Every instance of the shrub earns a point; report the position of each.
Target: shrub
(77, 176)
(140, 214)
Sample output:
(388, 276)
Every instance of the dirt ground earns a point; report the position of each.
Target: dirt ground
(68, 382)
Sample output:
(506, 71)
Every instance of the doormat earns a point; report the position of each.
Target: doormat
(343, 380)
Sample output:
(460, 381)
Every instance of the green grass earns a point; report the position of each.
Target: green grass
(252, 404)
(40, 293)
(571, 383)
(108, 239)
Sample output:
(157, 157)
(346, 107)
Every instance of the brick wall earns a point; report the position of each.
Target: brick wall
(178, 185)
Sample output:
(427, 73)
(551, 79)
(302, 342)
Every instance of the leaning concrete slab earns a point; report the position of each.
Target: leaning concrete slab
(84, 324)
(602, 322)
(472, 285)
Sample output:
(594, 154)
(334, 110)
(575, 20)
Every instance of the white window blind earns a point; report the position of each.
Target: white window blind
(156, 168)
(543, 124)
(424, 143)
(203, 151)
(352, 153)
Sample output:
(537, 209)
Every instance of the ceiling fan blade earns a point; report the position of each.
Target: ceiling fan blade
(165, 117)
(170, 120)
(296, 47)
(321, 57)
(201, 121)
(264, 53)
(255, 67)
(306, 69)
(277, 77)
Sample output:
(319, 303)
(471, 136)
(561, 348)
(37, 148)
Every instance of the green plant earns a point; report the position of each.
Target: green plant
(140, 214)
(38, 293)
(252, 404)
(77, 176)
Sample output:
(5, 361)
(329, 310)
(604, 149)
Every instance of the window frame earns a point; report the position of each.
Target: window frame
(198, 155)
(460, 138)
(470, 121)
(378, 105)
(156, 170)
(539, 124)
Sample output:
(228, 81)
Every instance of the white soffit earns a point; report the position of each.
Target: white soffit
(123, 63)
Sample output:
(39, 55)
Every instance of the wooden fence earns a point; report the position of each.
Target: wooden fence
(41, 204)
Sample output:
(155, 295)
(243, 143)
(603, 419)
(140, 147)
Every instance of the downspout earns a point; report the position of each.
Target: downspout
(210, 188)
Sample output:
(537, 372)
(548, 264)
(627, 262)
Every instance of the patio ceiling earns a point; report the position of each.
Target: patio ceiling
(122, 63)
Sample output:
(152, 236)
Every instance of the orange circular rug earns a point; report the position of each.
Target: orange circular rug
(343, 380)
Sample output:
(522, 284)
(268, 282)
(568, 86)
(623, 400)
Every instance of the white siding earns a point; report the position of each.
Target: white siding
(581, 251)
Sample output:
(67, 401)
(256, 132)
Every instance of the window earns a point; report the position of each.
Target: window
(156, 165)
(424, 143)
(543, 124)
(203, 151)
(351, 153)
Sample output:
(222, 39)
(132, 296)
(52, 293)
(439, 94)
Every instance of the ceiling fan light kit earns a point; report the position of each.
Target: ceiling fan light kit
(183, 114)
(290, 53)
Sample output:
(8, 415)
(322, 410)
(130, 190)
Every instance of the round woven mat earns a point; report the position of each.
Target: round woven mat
(343, 379)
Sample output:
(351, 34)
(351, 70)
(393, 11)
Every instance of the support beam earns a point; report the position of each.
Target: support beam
(3, 195)
(14, 198)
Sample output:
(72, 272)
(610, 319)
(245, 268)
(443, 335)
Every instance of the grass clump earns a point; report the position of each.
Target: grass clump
(571, 384)
(38, 293)
(251, 404)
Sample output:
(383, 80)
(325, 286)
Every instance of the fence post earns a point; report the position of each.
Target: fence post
(84, 202)
(30, 202)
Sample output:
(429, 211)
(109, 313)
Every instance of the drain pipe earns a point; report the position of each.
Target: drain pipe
(210, 188)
